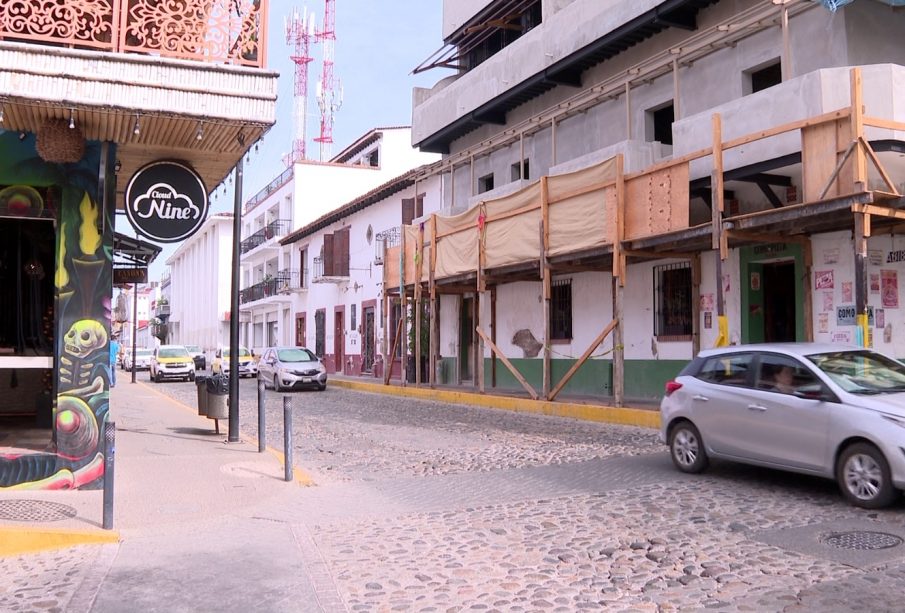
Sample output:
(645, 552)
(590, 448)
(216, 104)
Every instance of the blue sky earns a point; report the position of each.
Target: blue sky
(378, 44)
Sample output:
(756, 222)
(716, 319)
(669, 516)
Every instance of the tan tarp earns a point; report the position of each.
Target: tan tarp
(514, 238)
(457, 244)
(581, 215)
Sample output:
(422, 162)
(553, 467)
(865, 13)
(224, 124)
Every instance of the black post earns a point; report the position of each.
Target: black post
(134, 326)
(287, 437)
(234, 309)
(262, 437)
(109, 453)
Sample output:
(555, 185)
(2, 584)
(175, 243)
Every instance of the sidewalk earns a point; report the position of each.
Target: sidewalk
(186, 505)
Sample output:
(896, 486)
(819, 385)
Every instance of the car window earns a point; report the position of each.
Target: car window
(785, 375)
(726, 369)
(295, 354)
(173, 352)
(143, 353)
(193, 348)
(862, 372)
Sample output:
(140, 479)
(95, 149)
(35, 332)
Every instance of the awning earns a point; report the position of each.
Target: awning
(134, 251)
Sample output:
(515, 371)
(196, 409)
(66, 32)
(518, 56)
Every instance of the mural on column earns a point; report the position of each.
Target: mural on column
(82, 278)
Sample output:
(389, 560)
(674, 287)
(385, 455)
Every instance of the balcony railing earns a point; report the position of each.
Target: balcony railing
(272, 230)
(271, 187)
(385, 240)
(219, 31)
(282, 282)
(338, 275)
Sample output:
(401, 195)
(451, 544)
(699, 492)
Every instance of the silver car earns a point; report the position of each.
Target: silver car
(820, 409)
(291, 368)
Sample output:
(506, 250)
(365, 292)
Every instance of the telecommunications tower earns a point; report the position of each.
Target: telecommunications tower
(299, 34)
(329, 92)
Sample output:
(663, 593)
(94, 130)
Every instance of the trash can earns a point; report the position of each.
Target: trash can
(217, 397)
(201, 388)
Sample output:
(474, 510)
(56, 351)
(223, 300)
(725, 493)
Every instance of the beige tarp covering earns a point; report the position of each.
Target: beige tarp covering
(582, 210)
(515, 238)
(580, 221)
(457, 253)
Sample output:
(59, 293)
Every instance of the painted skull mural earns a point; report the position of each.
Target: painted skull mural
(82, 280)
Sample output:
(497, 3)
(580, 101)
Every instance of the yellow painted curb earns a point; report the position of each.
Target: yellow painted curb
(588, 412)
(15, 541)
(300, 475)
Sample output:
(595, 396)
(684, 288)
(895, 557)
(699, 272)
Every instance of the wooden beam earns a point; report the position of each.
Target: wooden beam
(872, 209)
(658, 255)
(584, 358)
(493, 337)
(879, 166)
(767, 191)
(434, 321)
(787, 127)
(546, 288)
(508, 364)
(889, 124)
(767, 238)
(389, 369)
(857, 130)
(716, 182)
(419, 267)
(838, 169)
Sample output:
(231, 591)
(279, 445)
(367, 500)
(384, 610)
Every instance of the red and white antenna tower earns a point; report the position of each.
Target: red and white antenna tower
(299, 34)
(329, 92)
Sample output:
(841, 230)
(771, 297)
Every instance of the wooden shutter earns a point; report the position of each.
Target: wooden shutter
(419, 207)
(328, 255)
(408, 211)
(341, 259)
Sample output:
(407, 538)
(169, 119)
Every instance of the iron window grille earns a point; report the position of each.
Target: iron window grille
(561, 309)
(673, 309)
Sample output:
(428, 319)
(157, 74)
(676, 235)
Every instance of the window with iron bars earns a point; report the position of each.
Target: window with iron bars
(673, 310)
(561, 309)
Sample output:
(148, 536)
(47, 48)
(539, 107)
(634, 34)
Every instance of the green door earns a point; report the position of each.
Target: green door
(772, 293)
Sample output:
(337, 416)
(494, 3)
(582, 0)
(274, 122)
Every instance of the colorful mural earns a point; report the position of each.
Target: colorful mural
(82, 312)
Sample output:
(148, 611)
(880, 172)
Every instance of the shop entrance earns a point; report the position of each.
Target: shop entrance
(27, 325)
(466, 340)
(772, 294)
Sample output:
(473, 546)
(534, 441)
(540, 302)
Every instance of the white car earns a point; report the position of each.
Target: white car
(248, 367)
(142, 359)
(292, 368)
(172, 362)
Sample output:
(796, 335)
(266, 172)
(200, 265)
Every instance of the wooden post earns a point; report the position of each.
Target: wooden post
(618, 287)
(696, 304)
(786, 63)
(584, 358)
(718, 242)
(808, 296)
(675, 90)
(553, 140)
(493, 355)
(385, 314)
(419, 264)
(481, 287)
(515, 373)
(862, 331)
(403, 309)
(546, 289)
(452, 186)
(857, 128)
(628, 110)
(434, 336)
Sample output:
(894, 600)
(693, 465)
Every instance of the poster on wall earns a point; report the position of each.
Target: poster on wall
(874, 283)
(708, 320)
(827, 301)
(845, 315)
(707, 302)
(831, 256)
(880, 318)
(726, 284)
(846, 291)
(875, 257)
(823, 279)
(755, 281)
(823, 322)
(889, 288)
(842, 336)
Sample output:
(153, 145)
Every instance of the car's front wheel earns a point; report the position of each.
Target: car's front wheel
(864, 478)
(687, 448)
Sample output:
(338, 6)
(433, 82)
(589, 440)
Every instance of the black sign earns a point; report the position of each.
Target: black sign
(166, 201)
(130, 275)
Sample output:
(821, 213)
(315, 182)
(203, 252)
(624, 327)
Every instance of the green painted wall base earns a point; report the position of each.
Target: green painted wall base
(644, 379)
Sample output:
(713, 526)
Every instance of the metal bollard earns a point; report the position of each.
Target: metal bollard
(262, 436)
(109, 453)
(287, 437)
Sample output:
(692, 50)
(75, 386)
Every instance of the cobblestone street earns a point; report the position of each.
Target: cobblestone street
(421, 506)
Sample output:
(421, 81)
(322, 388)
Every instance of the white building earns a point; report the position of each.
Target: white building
(199, 286)
(272, 274)
(650, 100)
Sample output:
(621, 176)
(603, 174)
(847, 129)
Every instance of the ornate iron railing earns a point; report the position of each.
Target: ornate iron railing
(271, 187)
(385, 240)
(272, 230)
(221, 31)
(282, 282)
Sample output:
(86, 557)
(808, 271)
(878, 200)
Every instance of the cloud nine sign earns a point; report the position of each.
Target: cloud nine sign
(166, 201)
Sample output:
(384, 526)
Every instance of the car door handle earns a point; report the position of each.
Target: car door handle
(757, 407)
(700, 397)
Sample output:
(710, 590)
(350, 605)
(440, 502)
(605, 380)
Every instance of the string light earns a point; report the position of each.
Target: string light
(1, 114)
(71, 119)
(137, 129)
(200, 133)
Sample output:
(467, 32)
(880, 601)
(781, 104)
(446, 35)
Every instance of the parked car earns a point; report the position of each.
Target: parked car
(819, 409)
(291, 368)
(247, 365)
(172, 362)
(142, 359)
(198, 356)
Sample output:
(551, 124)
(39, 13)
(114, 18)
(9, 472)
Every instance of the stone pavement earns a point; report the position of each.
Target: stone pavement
(428, 506)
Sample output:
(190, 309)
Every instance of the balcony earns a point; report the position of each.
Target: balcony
(219, 31)
(280, 227)
(322, 273)
(284, 282)
(383, 241)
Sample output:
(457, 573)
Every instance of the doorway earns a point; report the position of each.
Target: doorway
(368, 340)
(466, 340)
(338, 340)
(772, 293)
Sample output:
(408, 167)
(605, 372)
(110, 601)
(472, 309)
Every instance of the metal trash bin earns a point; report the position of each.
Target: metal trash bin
(201, 388)
(218, 397)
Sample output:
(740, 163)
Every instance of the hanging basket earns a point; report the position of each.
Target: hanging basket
(57, 142)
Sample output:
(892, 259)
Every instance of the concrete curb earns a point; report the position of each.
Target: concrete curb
(588, 412)
(17, 541)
